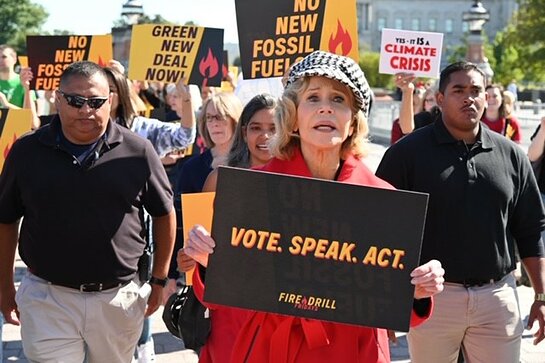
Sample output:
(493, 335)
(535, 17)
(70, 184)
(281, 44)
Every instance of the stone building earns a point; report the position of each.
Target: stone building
(443, 16)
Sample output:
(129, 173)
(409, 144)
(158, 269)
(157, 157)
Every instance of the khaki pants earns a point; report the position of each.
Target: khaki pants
(485, 321)
(63, 325)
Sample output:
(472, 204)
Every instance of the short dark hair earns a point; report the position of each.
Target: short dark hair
(84, 69)
(444, 78)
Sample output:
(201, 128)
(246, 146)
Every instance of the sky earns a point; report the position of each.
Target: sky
(94, 17)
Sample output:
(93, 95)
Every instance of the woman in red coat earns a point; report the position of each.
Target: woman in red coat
(321, 124)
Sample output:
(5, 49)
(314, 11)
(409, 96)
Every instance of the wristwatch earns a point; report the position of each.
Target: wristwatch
(157, 281)
(540, 297)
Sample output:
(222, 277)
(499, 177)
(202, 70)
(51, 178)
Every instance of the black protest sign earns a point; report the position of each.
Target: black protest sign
(275, 34)
(314, 248)
(49, 55)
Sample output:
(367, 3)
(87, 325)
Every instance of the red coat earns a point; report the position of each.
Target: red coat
(225, 323)
(266, 337)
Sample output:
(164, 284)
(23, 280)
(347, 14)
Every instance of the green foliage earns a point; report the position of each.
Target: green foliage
(369, 63)
(526, 39)
(457, 53)
(507, 57)
(19, 18)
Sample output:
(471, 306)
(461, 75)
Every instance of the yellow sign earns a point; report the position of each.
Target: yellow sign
(167, 53)
(197, 208)
(23, 61)
(13, 124)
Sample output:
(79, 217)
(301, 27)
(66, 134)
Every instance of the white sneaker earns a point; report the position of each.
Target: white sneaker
(146, 352)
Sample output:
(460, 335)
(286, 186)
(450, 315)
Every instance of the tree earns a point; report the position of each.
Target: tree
(525, 40)
(369, 63)
(19, 18)
(508, 63)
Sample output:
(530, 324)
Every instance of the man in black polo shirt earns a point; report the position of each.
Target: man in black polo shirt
(483, 202)
(82, 183)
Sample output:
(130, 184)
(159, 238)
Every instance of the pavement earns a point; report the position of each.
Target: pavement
(171, 350)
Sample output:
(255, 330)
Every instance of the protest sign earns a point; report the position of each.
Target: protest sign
(49, 55)
(167, 53)
(314, 248)
(23, 61)
(197, 208)
(275, 34)
(13, 123)
(411, 51)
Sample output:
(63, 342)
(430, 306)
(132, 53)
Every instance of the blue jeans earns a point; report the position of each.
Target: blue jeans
(146, 332)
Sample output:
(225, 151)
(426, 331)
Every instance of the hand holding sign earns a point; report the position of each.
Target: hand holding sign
(183, 89)
(428, 279)
(404, 81)
(199, 244)
(26, 76)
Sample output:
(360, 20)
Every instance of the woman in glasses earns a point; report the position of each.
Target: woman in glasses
(216, 125)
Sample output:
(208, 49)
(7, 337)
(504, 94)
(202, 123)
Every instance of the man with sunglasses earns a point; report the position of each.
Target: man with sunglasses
(82, 183)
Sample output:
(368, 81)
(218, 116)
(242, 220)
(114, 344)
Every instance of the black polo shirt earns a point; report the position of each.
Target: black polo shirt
(83, 222)
(482, 197)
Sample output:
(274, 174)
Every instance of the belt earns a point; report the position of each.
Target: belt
(93, 286)
(87, 287)
(476, 282)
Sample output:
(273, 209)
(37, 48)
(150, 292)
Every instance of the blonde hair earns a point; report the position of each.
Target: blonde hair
(508, 103)
(227, 105)
(285, 141)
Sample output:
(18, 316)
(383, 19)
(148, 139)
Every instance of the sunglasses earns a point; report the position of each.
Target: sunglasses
(78, 101)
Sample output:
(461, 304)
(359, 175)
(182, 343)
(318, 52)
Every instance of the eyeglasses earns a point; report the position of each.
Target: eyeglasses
(218, 118)
(78, 101)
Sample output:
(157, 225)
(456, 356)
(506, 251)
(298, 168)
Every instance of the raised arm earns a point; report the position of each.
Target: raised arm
(404, 81)
(537, 146)
(29, 102)
(186, 105)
